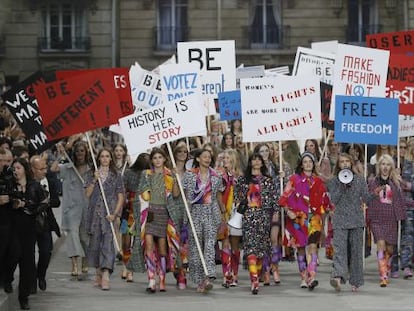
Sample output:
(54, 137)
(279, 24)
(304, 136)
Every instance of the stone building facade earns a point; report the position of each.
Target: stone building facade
(60, 34)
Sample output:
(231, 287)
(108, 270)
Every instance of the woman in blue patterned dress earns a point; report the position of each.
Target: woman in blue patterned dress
(256, 194)
(203, 187)
(101, 251)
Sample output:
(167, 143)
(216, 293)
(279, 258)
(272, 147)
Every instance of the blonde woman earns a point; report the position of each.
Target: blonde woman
(384, 212)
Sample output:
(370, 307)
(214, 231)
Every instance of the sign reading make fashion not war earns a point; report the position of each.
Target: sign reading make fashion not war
(281, 108)
(366, 120)
(162, 124)
(359, 71)
(215, 59)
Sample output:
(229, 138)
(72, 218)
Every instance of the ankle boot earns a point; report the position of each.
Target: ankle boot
(84, 265)
(105, 280)
(98, 277)
(75, 271)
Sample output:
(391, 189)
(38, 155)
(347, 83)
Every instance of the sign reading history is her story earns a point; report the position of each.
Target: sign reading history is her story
(281, 108)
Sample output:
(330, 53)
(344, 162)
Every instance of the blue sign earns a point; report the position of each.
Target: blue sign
(366, 120)
(230, 105)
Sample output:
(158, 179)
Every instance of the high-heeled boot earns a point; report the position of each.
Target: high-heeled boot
(226, 267)
(274, 260)
(162, 272)
(151, 270)
(302, 270)
(382, 267)
(253, 272)
(235, 261)
(265, 270)
(312, 267)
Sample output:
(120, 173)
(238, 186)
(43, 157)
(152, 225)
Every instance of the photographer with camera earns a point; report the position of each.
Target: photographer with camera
(28, 199)
(6, 175)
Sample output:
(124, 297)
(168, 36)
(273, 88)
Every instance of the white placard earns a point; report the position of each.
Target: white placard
(326, 46)
(281, 108)
(406, 126)
(312, 62)
(359, 71)
(162, 124)
(215, 59)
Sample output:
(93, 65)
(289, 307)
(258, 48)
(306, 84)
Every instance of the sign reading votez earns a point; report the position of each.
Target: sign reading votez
(366, 120)
(281, 108)
(216, 61)
(359, 71)
(162, 124)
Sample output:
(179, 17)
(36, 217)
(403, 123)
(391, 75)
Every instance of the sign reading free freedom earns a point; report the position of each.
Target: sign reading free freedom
(366, 120)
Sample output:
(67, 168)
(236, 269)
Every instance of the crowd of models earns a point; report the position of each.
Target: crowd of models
(168, 211)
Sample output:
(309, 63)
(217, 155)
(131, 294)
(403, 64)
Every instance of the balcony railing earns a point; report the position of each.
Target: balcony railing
(357, 33)
(272, 38)
(70, 45)
(166, 38)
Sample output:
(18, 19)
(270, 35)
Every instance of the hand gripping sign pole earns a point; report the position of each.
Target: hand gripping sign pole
(71, 162)
(187, 210)
(103, 194)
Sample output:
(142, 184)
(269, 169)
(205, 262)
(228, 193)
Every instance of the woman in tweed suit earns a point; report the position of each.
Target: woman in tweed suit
(348, 225)
(384, 212)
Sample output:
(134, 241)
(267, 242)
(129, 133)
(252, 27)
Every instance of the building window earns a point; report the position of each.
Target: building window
(362, 19)
(172, 23)
(265, 24)
(64, 27)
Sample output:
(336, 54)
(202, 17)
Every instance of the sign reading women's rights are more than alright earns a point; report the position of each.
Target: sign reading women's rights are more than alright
(280, 108)
(366, 120)
(359, 71)
(161, 124)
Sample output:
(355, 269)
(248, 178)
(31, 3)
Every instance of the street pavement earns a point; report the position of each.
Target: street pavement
(65, 292)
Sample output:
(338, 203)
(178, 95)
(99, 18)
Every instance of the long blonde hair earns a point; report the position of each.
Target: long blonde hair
(393, 174)
(235, 162)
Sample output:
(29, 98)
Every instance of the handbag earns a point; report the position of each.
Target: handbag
(222, 231)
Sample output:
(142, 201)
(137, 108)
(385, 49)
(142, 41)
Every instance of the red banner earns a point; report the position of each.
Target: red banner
(396, 42)
(400, 82)
(78, 103)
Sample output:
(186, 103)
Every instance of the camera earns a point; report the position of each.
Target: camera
(8, 185)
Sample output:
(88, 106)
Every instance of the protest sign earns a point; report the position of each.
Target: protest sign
(326, 98)
(406, 126)
(121, 83)
(312, 62)
(400, 82)
(396, 42)
(359, 71)
(282, 108)
(162, 124)
(145, 88)
(215, 59)
(229, 105)
(78, 104)
(249, 72)
(22, 104)
(366, 120)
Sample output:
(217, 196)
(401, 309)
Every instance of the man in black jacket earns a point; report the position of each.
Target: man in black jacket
(44, 237)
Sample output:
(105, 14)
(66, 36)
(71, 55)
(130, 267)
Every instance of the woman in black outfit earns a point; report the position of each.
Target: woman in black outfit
(29, 199)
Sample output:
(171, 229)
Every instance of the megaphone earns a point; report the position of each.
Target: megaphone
(235, 220)
(345, 176)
